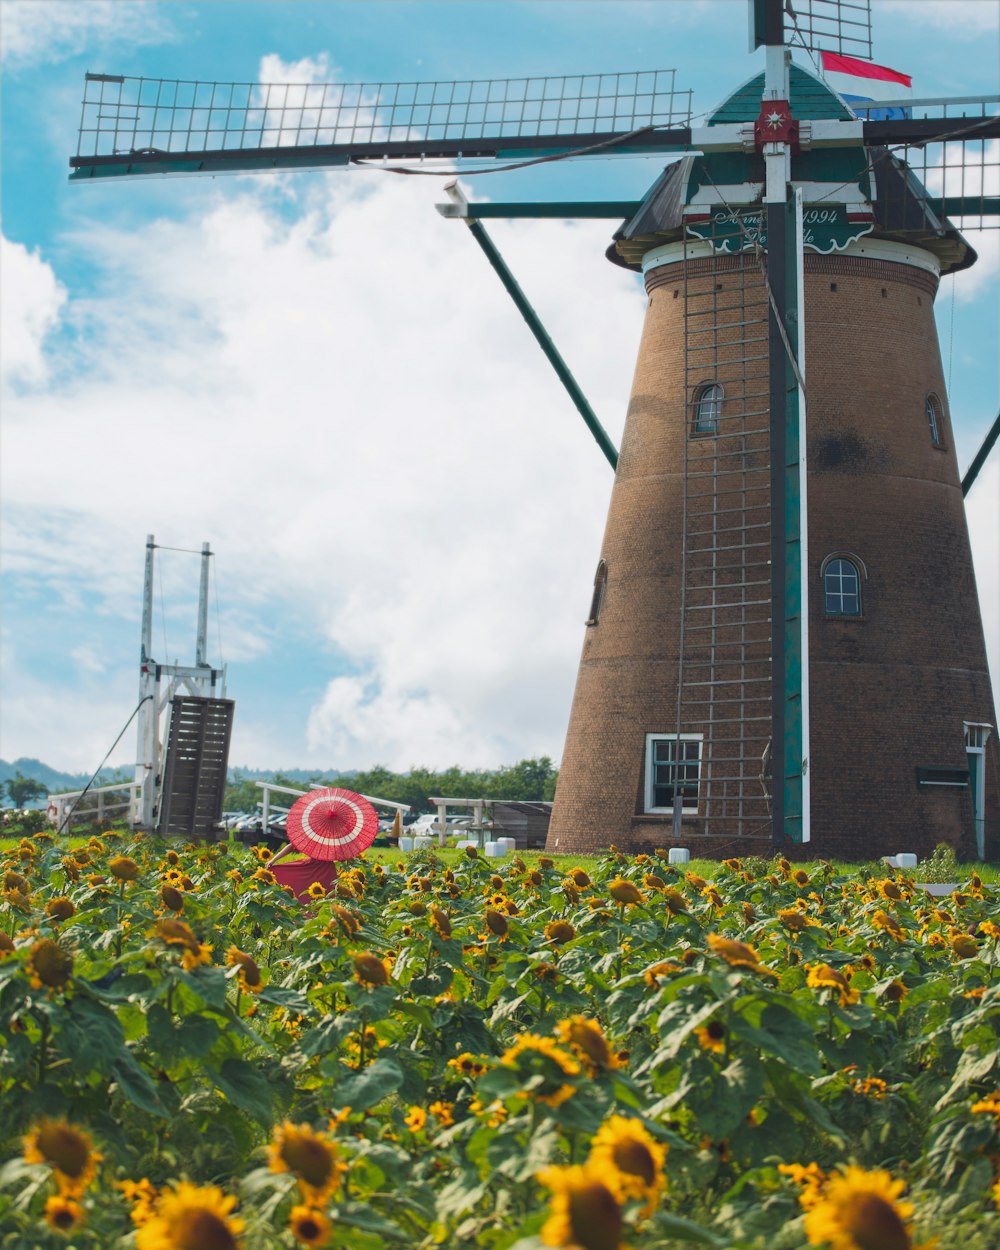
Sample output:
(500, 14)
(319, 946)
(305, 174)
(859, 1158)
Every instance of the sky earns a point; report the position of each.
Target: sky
(322, 377)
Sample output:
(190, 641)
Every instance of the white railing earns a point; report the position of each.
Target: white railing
(62, 808)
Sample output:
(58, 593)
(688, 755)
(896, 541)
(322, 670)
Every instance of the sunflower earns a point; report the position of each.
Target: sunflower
(441, 922)
(265, 875)
(49, 965)
(536, 1056)
(963, 946)
(263, 854)
(310, 1157)
(559, 931)
(736, 954)
(622, 1146)
(370, 970)
(309, 1226)
(415, 1119)
(442, 1112)
(822, 976)
(626, 892)
(175, 933)
(6, 944)
(655, 971)
(895, 991)
(496, 922)
(586, 1038)
(580, 878)
(63, 1213)
(142, 1196)
(712, 1037)
(316, 890)
(249, 972)
(793, 919)
(59, 909)
(191, 1217)
(467, 1064)
(67, 1150)
(123, 869)
(675, 901)
(585, 1212)
(988, 1106)
(889, 924)
(859, 1210)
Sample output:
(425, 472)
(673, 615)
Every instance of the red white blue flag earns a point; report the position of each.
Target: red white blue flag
(863, 83)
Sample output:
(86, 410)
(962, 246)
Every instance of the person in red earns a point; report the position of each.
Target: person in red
(331, 824)
(298, 875)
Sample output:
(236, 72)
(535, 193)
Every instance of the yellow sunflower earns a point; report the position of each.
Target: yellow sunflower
(441, 922)
(736, 954)
(587, 1040)
(63, 1213)
(859, 1210)
(311, 1158)
(622, 1146)
(370, 970)
(123, 869)
(59, 909)
(585, 1212)
(415, 1119)
(533, 1056)
(559, 931)
(310, 1227)
(249, 972)
(626, 892)
(712, 1037)
(67, 1150)
(191, 1217)
(822, 976)
(49, 965)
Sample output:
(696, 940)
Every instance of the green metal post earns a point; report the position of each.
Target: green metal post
(544, 342)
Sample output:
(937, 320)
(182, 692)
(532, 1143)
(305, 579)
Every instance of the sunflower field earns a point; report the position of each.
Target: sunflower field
(492, 1054)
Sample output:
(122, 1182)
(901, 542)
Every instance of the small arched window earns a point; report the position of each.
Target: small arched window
(842, 585)
(932, 409)
(708, 408)
(600, 584)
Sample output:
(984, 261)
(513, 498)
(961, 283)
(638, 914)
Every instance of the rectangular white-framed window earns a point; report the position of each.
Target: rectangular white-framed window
(673, 767)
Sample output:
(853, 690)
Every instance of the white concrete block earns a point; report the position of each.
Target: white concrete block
(464, 842)
(904, 859)
(509, 844)
(679, 855)
(422, 841)
(497, 850)
(405, 844)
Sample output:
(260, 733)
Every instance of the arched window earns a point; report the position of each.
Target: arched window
(932, 408)
(600, 584)
(841, 576)
(708, 408)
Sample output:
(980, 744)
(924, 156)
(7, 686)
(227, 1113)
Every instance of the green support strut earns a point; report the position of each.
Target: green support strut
(538, 330)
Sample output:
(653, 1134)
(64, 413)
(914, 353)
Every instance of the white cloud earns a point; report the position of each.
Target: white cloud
(31, 300)
(959, 19)
(43, 31)
(349, 407)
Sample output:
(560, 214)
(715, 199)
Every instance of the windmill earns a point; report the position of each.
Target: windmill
(761, 668)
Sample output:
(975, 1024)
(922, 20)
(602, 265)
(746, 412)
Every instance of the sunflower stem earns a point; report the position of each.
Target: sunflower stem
(361, 1048)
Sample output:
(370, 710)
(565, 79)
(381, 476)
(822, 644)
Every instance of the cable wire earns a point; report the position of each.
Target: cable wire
(80, 797)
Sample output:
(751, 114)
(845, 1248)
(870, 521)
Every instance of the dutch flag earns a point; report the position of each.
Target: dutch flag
(861, 82)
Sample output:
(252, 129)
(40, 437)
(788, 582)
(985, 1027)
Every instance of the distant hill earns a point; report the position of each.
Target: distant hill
(51, 778)
(54, 780)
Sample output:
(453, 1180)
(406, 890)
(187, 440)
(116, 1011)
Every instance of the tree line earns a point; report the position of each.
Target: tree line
(527, 780)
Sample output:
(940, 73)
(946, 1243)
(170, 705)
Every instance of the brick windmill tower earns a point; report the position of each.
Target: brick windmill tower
(863, 722)
(784, 643)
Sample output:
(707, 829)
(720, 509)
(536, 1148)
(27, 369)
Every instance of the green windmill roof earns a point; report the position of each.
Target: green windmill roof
(811, 100)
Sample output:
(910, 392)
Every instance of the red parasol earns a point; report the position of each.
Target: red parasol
(331, 824)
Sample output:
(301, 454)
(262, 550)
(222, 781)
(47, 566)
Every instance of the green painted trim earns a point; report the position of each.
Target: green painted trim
(558, 208)
(794, 591)
(544, 342)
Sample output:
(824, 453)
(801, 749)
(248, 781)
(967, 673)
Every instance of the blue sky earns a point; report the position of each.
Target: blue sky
(320, 376)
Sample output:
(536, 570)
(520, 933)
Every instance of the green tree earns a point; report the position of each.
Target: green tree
(23, 790)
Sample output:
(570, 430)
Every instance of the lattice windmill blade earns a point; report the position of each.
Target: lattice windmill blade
(132, 126)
